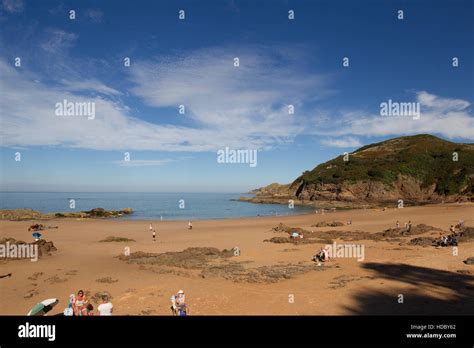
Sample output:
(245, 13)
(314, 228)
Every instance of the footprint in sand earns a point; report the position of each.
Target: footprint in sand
(35, 276)
(55, 279)
(147, 311)
(341, 281)
(107, 280)
(31, 293)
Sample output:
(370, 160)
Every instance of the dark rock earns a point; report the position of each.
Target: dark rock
(469, 261)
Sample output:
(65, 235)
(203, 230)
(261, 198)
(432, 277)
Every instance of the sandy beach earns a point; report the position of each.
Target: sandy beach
(431, 280)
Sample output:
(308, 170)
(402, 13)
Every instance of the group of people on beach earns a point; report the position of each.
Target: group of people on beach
(451, 239)
(153, 231)
(407, 225)
(79, 306)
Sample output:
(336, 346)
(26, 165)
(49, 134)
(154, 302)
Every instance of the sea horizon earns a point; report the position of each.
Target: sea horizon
(149, 205)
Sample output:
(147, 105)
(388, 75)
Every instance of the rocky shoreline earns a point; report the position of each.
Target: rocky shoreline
(30, 214)
(308, 203)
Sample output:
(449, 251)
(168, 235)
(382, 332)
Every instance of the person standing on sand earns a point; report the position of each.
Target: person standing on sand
(398, 224)
(190, 225)
(154, 236)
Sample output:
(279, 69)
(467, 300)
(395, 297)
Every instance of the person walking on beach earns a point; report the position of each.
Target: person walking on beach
(190, 225)
(106, 307)
(153, 232)
(398, 224)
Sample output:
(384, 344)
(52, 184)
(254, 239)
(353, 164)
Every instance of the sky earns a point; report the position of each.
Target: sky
(191, 62)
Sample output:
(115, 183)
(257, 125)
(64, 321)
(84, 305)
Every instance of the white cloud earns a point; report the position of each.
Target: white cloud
(13, 6)
(57, 41)
(448, 117)
(91, 85)
(243, 107)
(343, 142)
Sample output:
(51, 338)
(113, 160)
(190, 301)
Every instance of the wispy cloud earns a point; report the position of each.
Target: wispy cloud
(91, 85)
(448, 117)
(244, 107)
(241, 106)
(57, 41)
(343, 142)
(95, 15)
(13, 6)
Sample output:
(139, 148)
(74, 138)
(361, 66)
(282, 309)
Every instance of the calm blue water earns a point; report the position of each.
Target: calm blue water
(148, 206)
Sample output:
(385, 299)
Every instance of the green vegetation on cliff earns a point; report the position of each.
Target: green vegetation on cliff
(426, 158)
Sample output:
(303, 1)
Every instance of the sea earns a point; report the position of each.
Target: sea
(149, 206)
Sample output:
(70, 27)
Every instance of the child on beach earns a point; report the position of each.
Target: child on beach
(90, 310)
(69, 310)
(178, 305)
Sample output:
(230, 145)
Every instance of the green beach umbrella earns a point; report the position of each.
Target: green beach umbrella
(43, 307)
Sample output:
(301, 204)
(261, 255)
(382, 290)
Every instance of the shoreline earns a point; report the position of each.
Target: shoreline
(311, 211)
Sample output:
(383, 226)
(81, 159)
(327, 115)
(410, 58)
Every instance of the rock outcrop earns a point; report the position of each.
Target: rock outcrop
(416, 169)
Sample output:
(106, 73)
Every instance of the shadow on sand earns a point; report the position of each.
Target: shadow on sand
(459, 300)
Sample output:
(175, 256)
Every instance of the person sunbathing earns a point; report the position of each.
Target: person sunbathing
(80, 304)
(321, 256)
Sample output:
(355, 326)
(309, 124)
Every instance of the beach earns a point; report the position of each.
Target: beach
(395, 277)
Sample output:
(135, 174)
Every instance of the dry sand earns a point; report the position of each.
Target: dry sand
(432, 281)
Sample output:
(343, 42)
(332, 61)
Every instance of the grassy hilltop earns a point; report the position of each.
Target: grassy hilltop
(418, 169)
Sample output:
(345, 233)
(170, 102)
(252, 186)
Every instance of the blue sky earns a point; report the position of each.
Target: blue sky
(190, 62)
